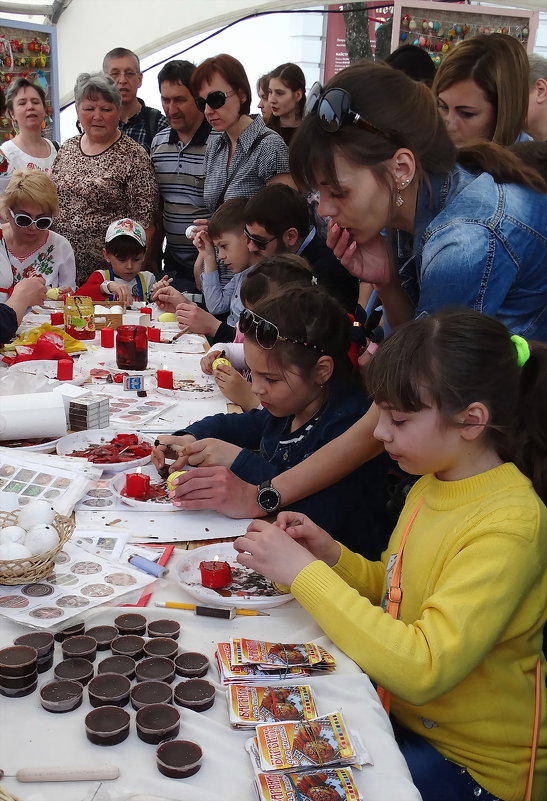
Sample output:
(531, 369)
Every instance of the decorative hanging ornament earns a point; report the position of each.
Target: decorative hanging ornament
(412, 25)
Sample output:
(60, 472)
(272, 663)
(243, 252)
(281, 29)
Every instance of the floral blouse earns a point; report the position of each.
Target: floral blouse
(96, 190)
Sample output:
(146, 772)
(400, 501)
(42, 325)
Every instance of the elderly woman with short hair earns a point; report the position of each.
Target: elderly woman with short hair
(101, 175)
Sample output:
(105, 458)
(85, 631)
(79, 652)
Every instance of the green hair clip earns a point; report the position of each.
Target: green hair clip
(522, 348)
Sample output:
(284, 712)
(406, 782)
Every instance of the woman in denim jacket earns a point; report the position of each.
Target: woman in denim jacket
(471, 233)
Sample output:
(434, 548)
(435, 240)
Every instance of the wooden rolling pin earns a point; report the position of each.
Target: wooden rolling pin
(76, 774)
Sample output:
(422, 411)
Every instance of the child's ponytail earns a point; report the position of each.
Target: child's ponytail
(530, 432)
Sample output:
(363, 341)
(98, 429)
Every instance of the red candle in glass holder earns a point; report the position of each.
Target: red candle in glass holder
(215, 574)
(154, 334)
(137, 485)
(164, 378)
(65, 370)
(107, 337)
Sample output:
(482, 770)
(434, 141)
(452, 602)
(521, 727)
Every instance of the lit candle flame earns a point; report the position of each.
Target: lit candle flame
(138, 470)
(164, 367)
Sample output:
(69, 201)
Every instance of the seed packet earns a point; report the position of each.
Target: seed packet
(251, 674)
(249, 705)
(326, 785)
(274, 655)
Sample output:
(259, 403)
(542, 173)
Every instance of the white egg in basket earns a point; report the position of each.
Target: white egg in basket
(36, 513)
(40, 539)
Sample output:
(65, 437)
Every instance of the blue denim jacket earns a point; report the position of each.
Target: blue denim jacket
(483, 245)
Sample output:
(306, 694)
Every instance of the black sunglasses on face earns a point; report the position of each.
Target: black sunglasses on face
(266, 333)
(261, 244)
(333, 110)
(213, 100)
(25, 221)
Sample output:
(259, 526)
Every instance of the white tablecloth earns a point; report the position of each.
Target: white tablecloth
(30, 736)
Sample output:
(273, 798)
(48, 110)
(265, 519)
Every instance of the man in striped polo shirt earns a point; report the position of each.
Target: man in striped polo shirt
(178, 153)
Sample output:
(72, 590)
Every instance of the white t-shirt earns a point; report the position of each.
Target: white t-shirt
(54, 260)
(19, 160)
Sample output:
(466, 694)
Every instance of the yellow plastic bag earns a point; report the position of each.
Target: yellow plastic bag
(31, 337)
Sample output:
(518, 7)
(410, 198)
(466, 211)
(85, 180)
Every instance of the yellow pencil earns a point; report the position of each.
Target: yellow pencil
(211, 611)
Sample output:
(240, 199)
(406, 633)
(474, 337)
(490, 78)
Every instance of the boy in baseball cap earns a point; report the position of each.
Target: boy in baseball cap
(124, 249)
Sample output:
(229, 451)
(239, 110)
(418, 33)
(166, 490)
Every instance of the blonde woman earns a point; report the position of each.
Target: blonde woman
(29, 206)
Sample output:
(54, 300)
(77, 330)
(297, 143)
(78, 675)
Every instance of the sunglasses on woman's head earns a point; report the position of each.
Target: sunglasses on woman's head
(261, 244)
(266, 333)
(333, 110)
(25, 221)
(213, 100)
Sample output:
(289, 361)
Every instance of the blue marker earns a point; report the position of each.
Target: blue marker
(148, 566)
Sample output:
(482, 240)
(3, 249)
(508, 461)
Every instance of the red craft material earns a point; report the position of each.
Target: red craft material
(65, 370)
(215, 574)
(137, 485)
(164, 379)
(107, 337)
(154, 334)
(146, 310)
(57, 318)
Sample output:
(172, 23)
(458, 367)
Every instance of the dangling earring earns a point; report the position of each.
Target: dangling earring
(399, 200)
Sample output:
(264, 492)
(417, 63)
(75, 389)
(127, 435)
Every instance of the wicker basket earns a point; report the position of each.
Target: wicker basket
(32, 568)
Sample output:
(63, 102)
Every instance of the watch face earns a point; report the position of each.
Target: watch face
(268, 499)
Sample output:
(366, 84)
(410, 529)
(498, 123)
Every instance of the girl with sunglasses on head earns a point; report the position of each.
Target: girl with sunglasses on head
(26, 105)
(247, 155)
(29, 205)
(463, 578)
(271, 274)
(296, 346)
(467, 226)
(287, 98)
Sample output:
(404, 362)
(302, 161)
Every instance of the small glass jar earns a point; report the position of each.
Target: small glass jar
(131, 347)
(79, 315)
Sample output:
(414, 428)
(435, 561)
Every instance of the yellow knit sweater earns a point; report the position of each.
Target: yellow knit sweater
(460, 659)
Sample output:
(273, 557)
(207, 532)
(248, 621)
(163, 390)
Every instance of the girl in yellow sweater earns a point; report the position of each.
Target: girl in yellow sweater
(462, 404)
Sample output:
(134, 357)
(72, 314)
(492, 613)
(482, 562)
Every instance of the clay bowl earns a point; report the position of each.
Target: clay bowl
(151, 692)
(103, 635)
(61, 696)
(124, 665)
(157, 722)
(41, 640)
(192, 665)
(196, 694)
(81, 645)
(18, 660)
(178, 759)
(128, 645)
(156, 668)
(109, 689)
(161, 646)
(130, 624)
(70, 631)
(164, 628)
(107, 725)
(77, 669)
(19, 693)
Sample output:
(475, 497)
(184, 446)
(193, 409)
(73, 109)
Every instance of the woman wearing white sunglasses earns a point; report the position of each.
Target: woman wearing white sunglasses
(29, 206)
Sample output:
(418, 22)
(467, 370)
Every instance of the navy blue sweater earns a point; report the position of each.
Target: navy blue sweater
(352, 509)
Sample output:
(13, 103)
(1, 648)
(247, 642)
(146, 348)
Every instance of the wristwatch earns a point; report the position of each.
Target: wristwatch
(268, 498)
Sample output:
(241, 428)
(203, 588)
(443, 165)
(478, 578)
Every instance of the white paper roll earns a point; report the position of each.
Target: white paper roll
(33, 415)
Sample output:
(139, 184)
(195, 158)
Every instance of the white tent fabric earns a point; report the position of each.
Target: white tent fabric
(87, 29)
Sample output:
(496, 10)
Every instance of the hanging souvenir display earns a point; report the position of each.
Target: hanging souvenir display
(439, 27)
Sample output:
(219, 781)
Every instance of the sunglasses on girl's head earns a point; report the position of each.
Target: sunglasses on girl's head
(266, 333)
(261, 244)
(333, 110)
(25, 221)
(213, 100)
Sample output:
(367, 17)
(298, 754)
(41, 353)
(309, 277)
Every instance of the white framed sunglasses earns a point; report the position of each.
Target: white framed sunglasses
(25, 221)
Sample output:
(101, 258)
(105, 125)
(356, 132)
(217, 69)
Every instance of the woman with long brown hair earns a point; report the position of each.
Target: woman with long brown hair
(482, 90)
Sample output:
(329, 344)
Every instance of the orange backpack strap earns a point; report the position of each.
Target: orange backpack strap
(535, 734)
(395, 592)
